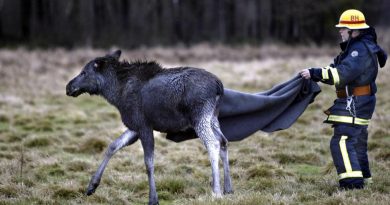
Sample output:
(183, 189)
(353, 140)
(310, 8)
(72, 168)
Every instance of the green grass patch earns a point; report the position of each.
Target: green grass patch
(380, 134)
(260, 171)
(93, 146)
(8, 191)
(38, 142)
(172, 185)
(183, 169)
(306, 169)
(23, 180)
(383, 155)
(70, 149)
(261, 184)
(266, 171)
(6, 155)
(141, 186)
(13, 137)
(165, 196)
(66, 193)
(34, 122)
(78, 166)
(284, 158)
(373, 145)
(4, 118)
(247, 150)
(97, 199)
(4, 127)
(47, 172)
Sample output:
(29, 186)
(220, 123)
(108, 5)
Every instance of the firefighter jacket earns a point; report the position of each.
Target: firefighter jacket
(355, 66)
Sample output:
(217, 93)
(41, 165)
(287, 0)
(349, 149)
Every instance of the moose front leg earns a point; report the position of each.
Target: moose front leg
(147, 141)
(127, 138)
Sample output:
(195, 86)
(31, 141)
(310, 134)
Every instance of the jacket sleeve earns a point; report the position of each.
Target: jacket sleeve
(348, 70)
(327, 75)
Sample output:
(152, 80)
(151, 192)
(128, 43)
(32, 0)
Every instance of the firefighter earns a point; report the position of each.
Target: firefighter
(353, 72)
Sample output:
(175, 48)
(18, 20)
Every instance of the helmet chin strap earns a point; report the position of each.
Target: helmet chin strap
(349, 34)
(349, 39)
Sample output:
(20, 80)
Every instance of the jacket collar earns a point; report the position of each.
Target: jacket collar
(367, 35)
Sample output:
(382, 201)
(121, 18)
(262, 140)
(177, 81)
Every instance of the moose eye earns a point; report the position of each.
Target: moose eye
(95, 65)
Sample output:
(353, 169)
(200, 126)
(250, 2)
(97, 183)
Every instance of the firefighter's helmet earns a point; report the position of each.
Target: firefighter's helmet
(352, 19)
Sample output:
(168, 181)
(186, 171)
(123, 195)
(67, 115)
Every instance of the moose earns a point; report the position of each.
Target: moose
(182, 100)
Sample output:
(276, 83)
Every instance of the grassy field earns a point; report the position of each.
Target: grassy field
(51, 144)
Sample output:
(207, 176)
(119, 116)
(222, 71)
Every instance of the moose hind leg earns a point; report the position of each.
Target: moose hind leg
(127, 138)
(204, 131)
(227, 189)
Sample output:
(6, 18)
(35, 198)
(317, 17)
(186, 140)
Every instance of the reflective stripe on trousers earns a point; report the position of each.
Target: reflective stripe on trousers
(347, 119)
(349, 173)
(345, 151)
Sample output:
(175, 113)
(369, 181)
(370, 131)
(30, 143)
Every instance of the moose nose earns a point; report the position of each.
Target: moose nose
(68, 89)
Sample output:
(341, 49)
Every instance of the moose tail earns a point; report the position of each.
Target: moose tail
(220, 89)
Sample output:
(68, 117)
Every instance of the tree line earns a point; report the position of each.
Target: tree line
(134, 23)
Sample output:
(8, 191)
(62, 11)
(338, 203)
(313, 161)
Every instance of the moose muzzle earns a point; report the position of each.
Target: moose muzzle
(72, 90)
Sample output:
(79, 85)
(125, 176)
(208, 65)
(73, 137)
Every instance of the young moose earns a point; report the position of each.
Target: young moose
(179, 100)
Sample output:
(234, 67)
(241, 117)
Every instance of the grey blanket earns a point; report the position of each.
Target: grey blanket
(242, 114)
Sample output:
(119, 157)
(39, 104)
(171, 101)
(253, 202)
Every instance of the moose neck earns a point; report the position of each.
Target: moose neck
(124, 82)
(122, 95)
(111, 89)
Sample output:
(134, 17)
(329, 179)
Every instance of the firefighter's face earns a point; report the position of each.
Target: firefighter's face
(344, 34)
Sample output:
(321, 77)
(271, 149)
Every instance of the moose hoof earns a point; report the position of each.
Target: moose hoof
(91, 189)
(228, 192)
(89, 192)
(216, 195)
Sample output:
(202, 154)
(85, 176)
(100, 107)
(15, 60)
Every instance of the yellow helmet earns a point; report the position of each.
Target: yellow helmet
(352, 19)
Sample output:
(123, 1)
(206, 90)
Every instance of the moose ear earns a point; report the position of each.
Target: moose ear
(116, 54)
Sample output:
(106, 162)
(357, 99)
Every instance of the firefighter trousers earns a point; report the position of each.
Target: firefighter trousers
(349, 152)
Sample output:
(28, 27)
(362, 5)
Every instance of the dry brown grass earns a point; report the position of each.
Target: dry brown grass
(50, 144)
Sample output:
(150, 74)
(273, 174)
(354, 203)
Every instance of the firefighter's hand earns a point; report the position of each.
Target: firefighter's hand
(305, 73)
